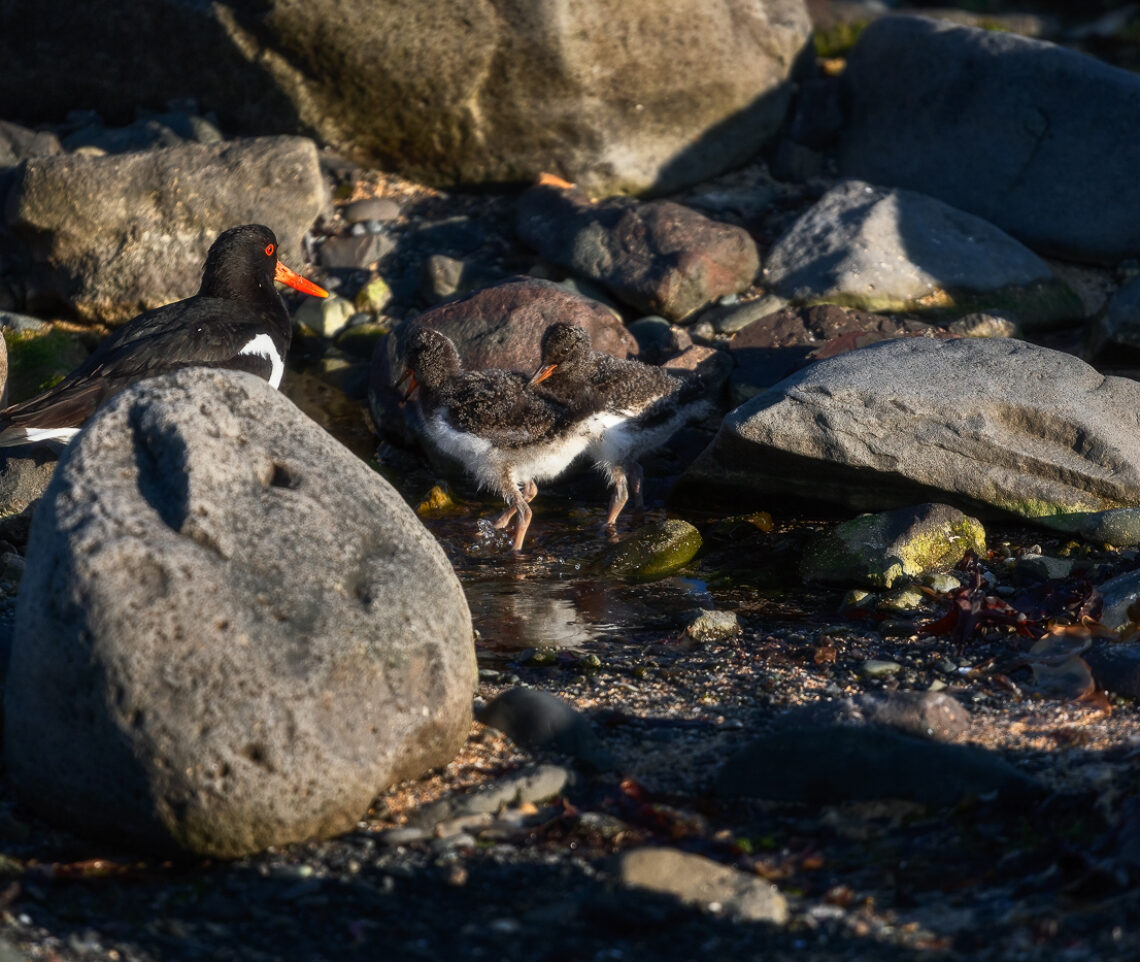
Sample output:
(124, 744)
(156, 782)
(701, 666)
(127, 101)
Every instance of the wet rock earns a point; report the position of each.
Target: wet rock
(713, 626)
(991, 122)
(779, 344)
(831, 764)
(703, 883)
(923, 713)
(326, 315)
(531, 785)
(1115, 666)
(113, 236)
(879, 249)
(1001, 441)
(875, 550)
(651, 552)
(231, 632)
(499, 326)
(542, 722)
(658, 257)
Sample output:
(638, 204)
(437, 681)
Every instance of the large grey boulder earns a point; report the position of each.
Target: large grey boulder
(116, 235)
(615, 95)
(1030, 136)
(993, 426)
(878, 249)
(231, 632)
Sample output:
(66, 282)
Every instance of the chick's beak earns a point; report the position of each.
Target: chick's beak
(543, 373)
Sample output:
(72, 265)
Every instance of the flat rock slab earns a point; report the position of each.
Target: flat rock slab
(879, 249)
(658, 257)
(113, 236)
(992, 426)
(231, 633)
(1020, 132)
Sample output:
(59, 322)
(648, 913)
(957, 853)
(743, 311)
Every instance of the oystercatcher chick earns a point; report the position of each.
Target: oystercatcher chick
(236, 320)
(507, 436)
(643, 406)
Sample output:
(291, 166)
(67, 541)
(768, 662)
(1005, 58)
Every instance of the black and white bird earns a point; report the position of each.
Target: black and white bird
(237, 320)
(643, 406)
(506, 435)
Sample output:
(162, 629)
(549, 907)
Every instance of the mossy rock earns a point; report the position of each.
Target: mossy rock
(652, 552)
(359, 340)
(876, 550)
(38, 360)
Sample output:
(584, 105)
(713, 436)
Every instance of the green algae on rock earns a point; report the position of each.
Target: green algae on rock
(876, 550)
(652, 552)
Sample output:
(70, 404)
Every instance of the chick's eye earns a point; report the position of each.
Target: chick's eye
(270, 250)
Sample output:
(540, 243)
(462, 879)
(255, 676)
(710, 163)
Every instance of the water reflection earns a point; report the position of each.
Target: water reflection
(516, 614)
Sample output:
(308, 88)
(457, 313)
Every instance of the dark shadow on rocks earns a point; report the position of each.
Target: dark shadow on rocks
(161, 457)
(130, 54)
(734, 138)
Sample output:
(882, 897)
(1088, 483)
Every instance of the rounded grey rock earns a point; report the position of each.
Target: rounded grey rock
(231, 633)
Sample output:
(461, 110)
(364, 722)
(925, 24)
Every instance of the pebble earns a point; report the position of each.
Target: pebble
(713, 626)
(371, 209)
(878, 668)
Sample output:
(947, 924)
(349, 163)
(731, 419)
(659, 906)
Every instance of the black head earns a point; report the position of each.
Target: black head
(242, 264)
(431, 357)
(242, 260)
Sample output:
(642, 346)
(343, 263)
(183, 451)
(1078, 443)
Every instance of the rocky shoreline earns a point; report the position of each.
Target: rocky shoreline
(752, 722)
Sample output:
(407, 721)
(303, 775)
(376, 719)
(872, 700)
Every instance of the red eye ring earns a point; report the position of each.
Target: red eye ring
(270, 250)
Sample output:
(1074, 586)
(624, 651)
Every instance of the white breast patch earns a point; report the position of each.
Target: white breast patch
(263, 346)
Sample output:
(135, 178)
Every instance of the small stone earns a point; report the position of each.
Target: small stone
(878, 668)
(540, 721)
(700, 881)
(371, 208)
(373, 297)
(713, 626)
(404, 835)
(355, 252)
(905, 599)
(325, 315)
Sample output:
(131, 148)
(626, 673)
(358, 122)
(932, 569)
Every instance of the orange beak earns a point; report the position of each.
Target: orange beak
(297, 282)
(408, 376)
(543, 373)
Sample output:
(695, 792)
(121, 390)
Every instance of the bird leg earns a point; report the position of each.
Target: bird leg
(636, 476)
(529, 490)
(619, 496)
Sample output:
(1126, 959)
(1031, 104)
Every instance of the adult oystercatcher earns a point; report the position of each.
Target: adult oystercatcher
(236, 320)
(507, 436)
(643, 406)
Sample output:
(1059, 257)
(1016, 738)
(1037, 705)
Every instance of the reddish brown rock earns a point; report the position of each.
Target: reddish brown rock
(770, 349)
(658, 257)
